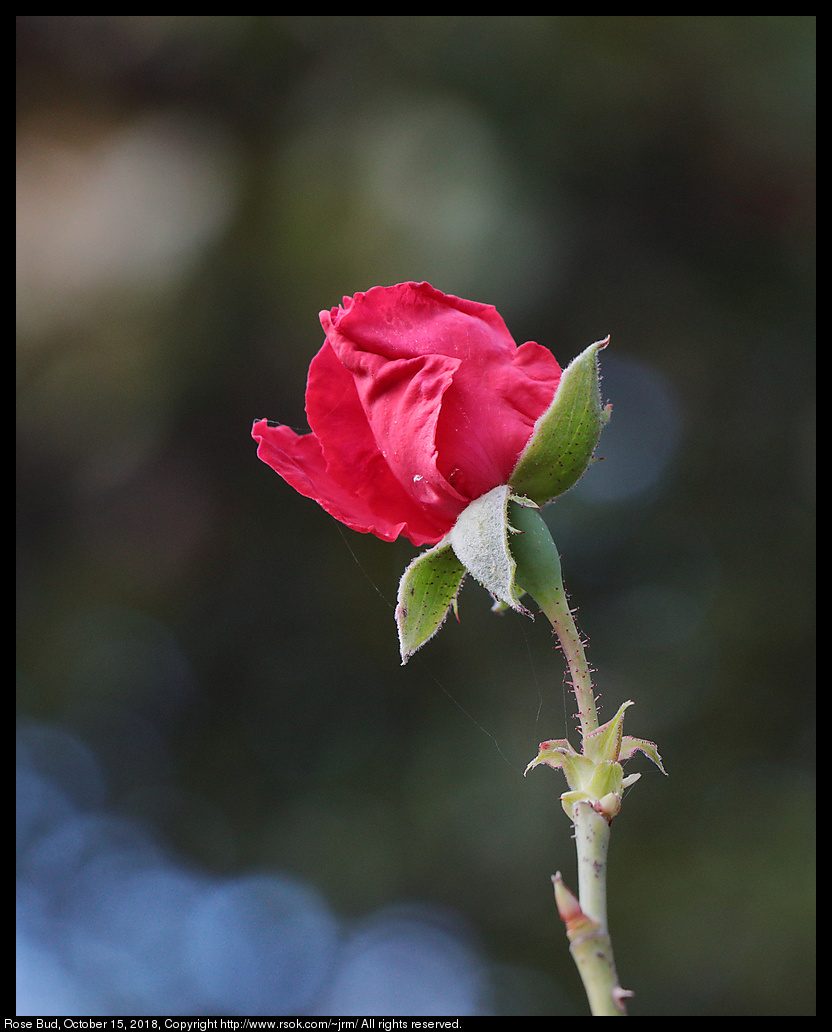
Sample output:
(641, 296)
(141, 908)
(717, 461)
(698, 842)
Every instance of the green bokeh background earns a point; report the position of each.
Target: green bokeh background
(191, 192)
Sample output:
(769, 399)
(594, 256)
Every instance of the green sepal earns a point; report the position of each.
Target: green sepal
(481, 543)
(480, 539)
(427, 591)
(565, 436)
(536, 558)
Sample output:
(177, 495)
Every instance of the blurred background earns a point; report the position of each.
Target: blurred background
(232, 799)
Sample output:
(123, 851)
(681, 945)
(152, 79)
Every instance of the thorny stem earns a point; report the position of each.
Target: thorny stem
(590, 944)
(556, 608)
(586, 919)
(539, 572)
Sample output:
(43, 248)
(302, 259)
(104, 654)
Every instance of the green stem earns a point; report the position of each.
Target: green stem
(591, 946)
(539, 572)
(592, 839)
(556, 608)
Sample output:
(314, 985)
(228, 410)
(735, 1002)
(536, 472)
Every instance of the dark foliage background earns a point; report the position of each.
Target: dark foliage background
(208, 666)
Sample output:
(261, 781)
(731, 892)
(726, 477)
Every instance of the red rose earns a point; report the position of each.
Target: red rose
(419, 402)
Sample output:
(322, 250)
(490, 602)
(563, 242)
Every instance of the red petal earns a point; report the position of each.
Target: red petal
(473, 396)
(419, 403)
(299, 460)
(340, 465)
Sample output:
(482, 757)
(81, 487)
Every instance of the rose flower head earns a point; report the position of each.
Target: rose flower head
(421, 403)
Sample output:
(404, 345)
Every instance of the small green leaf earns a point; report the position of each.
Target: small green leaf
(607, 777)
(427, 591)
(604, 743)
(565, 436)
(568, 800)
(579, 772)
(597, 784)
(480, 540)
(630, 745)
(552, 753)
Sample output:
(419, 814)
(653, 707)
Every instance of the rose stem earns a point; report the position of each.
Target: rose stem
(556, 608)
(586, 923)
(539, 573)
